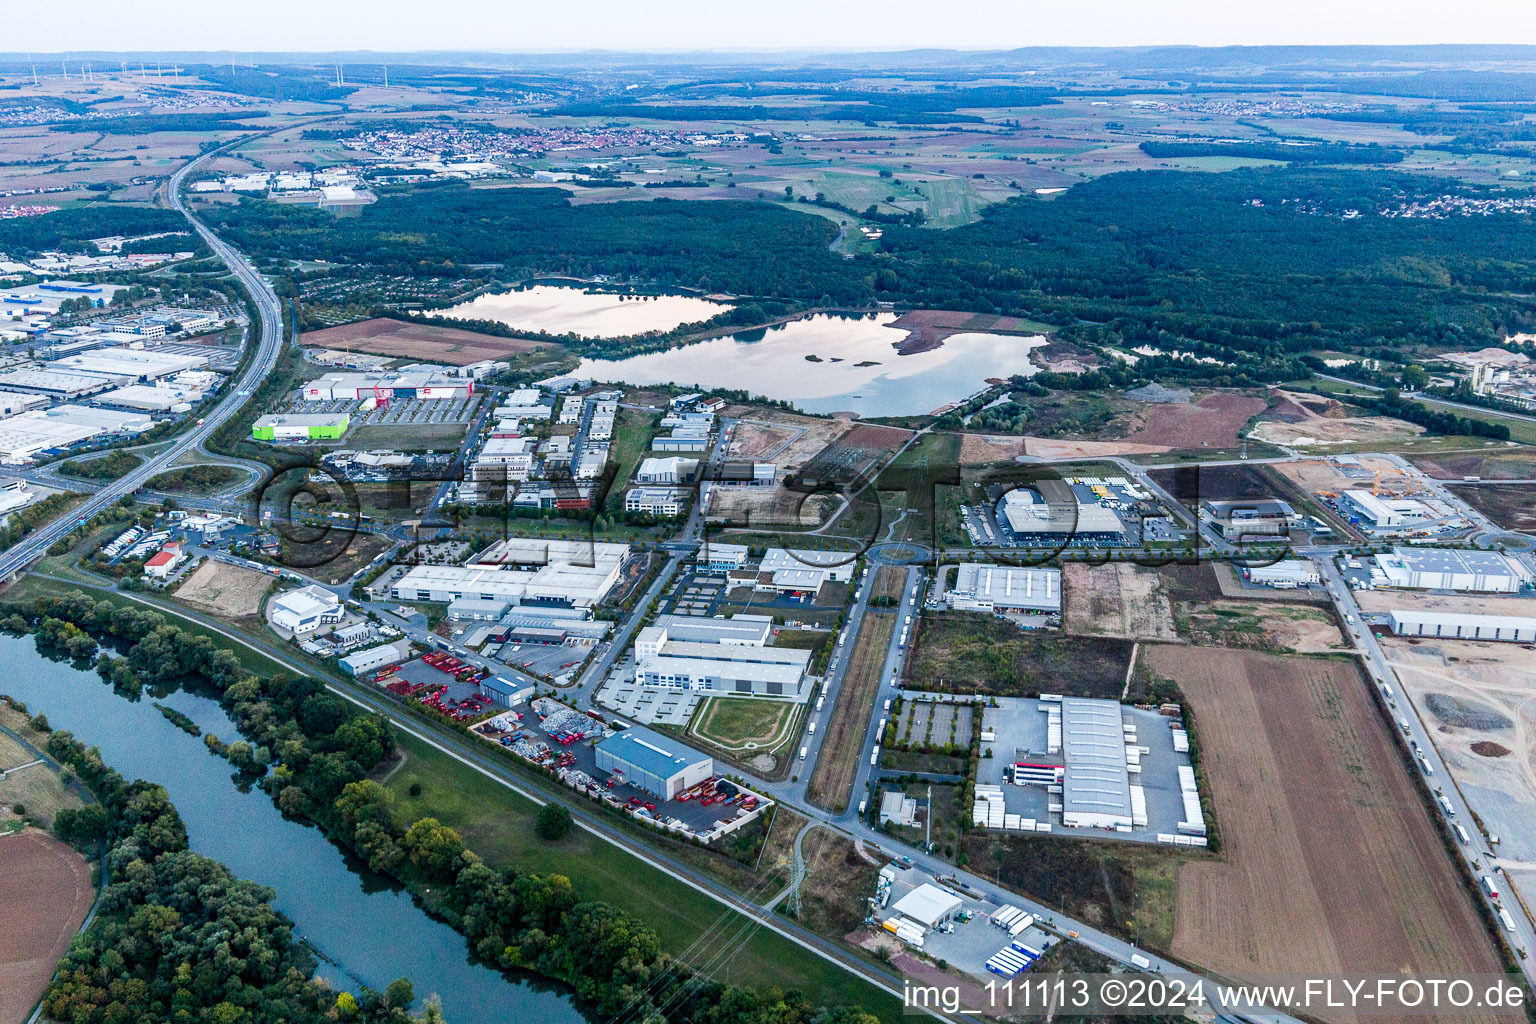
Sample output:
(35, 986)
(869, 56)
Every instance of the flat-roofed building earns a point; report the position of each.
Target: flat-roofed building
(650, 761)
(717, 557)
(1058, 517)
(1447, 625)
(1285, 574)
(721, 656)
(38, 430)
(670, 470)
(1003, 588)
(1096, 789)
(1257, 518)
(58, 383)
(657, 501)
(301, 427)
(304, 610)
(13, 402)
(561, 572)
(1490, 572)
(803, 570)
(1384, 513)
(138, 364)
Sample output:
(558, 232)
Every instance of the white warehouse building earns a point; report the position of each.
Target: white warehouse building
(1447, 625)
(1450, 569)
(1004, 588)
(304, 610)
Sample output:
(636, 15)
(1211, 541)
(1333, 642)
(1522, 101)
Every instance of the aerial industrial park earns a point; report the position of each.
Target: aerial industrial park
(763, 538)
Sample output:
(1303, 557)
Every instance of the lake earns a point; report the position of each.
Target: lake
(368, 927)
(868, 377)
(560, 309)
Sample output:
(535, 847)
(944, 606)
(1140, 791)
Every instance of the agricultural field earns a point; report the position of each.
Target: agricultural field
(1116, 600)
(1508, 506)
(419, 342)
(225, 591)
(28, 782)
(959, 652)
(45, 892)
(1480, 699)
(842, 747)
(1496, 463)
(1329, 859)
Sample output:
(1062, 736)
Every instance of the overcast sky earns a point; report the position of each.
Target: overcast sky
(689, 24)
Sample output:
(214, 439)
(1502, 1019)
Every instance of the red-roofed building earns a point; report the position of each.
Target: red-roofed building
(164, 561)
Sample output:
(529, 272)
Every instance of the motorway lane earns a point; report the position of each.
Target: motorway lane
(269, 342)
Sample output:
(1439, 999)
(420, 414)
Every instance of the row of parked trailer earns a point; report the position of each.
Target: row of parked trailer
(1013, 958)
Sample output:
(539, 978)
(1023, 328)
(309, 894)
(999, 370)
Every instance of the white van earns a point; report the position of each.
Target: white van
(803, 752)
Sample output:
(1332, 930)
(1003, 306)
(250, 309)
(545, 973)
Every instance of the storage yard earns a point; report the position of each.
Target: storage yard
(633, 769)
(1480, 701)
(1329, 861)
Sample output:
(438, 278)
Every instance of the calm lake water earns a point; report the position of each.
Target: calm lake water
(773, 363)
(559, 309)
(372, 930)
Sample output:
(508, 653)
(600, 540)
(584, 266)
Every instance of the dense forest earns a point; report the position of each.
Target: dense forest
(1251, 264)
(1291, 152)
(72, 229)
(746, 248)
(312, 752)
(1251, 267)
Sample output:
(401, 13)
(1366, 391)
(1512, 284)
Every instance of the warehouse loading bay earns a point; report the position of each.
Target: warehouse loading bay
(970, 935)
(1020, 725)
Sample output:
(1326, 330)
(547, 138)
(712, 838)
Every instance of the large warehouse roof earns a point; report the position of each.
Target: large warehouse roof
(1452, 560)
(1093, 746)
(928, 905)
(650, 751)
(1005, 586)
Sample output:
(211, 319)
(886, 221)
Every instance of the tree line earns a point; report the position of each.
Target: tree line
(312, 752)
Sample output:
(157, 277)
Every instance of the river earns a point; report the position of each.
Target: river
(369, 928)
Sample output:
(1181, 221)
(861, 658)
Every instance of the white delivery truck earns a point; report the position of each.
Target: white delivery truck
(812, 730)
(1490, 887)
(887, 704)
(874, 756)
(1141, 961)
(1461, 833)
(803, 752)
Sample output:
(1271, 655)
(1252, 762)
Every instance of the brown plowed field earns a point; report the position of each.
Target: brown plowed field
(1212, 422)
(430, 343)
(45, 892)
(1329, 863)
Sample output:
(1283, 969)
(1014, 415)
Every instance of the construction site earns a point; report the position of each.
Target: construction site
(1374, 497)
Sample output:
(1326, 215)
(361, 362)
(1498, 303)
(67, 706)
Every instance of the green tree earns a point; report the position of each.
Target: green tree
(554, 822)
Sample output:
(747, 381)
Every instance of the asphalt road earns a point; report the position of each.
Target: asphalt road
(268, 344)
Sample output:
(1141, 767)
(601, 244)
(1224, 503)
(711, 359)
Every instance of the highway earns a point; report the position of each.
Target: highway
(268, 345)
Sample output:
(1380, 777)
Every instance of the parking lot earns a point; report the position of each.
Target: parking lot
(974, 939)
(419, 673)
(540, 659)
(695, 594)
(580, 764)
(644, 704)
